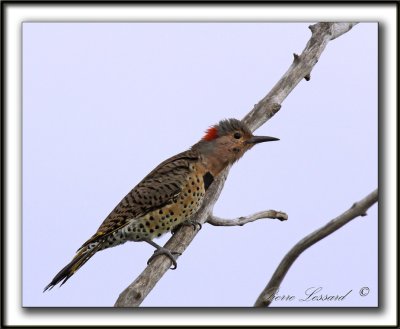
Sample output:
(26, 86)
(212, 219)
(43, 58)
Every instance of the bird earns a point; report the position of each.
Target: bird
(169, 196)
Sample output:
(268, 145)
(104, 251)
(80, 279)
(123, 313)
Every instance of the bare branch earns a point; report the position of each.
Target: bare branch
(358, 209)
(240, 221)
(301, 68)
(322, 33)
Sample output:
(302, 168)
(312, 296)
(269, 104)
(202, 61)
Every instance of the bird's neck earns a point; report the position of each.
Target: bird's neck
(213, 165)
(209, 159)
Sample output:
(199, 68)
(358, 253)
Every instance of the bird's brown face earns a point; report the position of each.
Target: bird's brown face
(227, 141)
(233, 145)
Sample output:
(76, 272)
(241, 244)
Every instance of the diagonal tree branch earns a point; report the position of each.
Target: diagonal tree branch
(301, 68)
(240, 221)
(358, 209)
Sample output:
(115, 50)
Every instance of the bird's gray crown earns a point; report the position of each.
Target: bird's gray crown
(225, 127)
(228, 126)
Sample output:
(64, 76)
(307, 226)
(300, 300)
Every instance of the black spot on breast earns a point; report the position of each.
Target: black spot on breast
(207, 179)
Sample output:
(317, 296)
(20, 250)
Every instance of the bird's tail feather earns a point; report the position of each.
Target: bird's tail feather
(82, 256)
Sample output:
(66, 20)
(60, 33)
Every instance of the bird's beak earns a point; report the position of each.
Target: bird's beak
(261, 139)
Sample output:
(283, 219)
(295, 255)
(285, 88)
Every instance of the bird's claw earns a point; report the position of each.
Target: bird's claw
(166, 252)
(194, 224)
(190, 222)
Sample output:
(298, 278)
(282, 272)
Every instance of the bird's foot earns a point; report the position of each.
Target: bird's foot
(164, 251)
(191, 222)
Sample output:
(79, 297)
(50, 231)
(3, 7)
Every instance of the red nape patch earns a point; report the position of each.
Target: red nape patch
(211, 133)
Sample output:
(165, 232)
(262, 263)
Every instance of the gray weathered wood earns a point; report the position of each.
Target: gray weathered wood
(265, 109)
(358, 209)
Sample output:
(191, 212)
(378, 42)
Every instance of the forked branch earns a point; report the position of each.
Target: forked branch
(265, 109)
(240, 221)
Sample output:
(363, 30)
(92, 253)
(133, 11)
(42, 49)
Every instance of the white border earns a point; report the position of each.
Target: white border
(16, 14)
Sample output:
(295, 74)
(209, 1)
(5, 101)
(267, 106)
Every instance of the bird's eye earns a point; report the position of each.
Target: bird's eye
(237, 135)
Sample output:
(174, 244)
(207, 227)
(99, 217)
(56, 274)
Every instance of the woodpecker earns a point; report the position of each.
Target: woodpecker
(168, 196)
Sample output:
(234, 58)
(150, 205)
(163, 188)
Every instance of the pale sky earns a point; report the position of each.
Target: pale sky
(104, 103)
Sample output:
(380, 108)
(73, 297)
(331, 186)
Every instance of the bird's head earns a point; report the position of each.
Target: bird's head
(229, 140)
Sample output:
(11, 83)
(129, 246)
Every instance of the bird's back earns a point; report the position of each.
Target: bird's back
(165, 198)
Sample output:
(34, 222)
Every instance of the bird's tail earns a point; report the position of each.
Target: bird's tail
(81, 257)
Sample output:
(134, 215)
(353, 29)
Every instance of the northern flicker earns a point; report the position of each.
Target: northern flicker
(169, 195)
